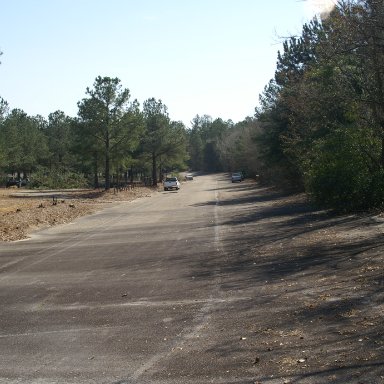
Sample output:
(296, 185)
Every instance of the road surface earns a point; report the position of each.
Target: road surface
(215, 283)
(132, 294)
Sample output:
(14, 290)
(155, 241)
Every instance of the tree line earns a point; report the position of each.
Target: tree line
(321, 118)
(111, 137)
(318, 128)
(111, 141)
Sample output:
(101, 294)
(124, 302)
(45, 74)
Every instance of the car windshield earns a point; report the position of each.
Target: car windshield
(170, 179)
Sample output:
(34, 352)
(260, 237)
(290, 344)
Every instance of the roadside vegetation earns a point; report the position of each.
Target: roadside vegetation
(321, 118)
(318, 128)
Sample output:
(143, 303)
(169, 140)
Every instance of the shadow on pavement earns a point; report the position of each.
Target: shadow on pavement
(315, 284)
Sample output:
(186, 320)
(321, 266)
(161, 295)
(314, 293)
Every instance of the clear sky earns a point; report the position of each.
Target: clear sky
(201, 57)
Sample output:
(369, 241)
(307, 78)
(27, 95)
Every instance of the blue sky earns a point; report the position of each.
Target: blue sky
(201, 57)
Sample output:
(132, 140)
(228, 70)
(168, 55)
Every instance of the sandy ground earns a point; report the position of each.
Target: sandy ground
(23, 211)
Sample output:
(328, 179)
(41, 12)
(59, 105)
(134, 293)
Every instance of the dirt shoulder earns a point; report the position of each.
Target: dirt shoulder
(316, 282)
(23, 211)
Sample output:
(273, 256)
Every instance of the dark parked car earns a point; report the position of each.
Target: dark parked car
(17, 182)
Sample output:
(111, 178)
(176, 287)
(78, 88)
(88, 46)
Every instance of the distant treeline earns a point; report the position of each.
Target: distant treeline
(113, 140)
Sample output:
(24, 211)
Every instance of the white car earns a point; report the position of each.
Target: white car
(188, 176)
(171, 183)
(236, 177)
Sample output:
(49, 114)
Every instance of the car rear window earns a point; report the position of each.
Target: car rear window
(170, 179)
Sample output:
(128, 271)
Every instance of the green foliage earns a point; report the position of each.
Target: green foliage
(60, 139)
(109, 125)
(163, 143)
(341, 176)
(44, 178)
(322, 116)
(196, 143)
(175, 152)
(3, 114)
(204, 143)
(288, 119)
(23, 142)
(4, 109)
(109, 138)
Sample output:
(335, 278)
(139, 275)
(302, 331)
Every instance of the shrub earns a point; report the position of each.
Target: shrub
(57, 179)
(345, 174)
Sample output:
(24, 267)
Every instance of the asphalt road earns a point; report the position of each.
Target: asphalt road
(132, 294)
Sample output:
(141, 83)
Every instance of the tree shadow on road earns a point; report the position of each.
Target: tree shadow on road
(312, 276)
